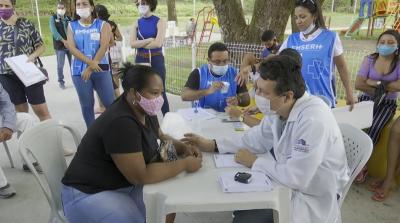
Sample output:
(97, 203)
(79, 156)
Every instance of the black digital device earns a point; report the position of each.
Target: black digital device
(243, 177)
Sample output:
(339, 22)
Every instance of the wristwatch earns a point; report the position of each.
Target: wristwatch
(378, 82)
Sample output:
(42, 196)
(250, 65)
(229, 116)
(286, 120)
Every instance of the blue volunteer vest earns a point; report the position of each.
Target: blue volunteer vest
(318, 68)
(217, 101)
(87, 40)
(148, 29)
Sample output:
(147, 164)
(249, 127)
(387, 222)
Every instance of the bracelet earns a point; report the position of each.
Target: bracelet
(215, 146)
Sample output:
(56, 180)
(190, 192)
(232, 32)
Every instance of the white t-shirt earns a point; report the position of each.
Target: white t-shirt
(338, 47)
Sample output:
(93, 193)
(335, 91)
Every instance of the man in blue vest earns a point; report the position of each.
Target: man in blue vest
(58, 27)
(213, 84)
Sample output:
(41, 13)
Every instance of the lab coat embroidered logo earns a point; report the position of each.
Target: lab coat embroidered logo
(301, 146)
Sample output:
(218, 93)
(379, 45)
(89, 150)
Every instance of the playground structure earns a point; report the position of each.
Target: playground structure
(207, 15)
(386, 14)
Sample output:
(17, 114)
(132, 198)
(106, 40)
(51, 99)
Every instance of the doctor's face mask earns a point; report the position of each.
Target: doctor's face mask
(265, 97)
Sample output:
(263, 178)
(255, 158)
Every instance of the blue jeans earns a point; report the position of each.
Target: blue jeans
(363, 3)
(60, 63)
(123, 205)
(102, 83)
(158, 64)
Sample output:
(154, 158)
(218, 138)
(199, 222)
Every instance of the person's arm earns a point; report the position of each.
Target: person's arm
(135, 170)
(135, 43)
(8, 115)
(362, 84)
(191, 90)
(159, 40)
(78, 54)
(393, 86)
(105, 38)
(250, 120)
(53, 30)
(345, 78)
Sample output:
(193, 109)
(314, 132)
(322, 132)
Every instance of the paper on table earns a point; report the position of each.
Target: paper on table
(226, 160)
(26, 71)
(201, 114)
(259, 182)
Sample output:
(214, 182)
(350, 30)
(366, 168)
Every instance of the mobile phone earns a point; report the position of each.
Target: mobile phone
(243, 177)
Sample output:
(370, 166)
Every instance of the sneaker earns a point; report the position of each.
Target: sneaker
(68, 152)
(7, 191)
(35, 164)
(62, 86)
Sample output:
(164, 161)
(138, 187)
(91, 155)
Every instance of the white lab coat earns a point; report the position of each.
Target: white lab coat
(310, 158)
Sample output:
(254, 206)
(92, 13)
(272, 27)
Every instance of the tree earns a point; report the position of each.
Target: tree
(171, 11)
(267, 14)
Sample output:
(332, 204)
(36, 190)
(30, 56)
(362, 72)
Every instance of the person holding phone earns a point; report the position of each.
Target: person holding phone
(88, 39)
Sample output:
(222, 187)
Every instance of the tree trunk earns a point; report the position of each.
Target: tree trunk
(267, 14)
(171, 11)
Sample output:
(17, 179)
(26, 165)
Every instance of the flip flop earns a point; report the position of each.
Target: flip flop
(361, 177)
(380, 196)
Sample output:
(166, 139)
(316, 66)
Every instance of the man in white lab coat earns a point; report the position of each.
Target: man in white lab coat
(302, 143)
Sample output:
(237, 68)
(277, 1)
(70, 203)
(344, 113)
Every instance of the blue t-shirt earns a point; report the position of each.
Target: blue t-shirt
(317, 68)
(217, 100)
(147, 28)
(87, 40)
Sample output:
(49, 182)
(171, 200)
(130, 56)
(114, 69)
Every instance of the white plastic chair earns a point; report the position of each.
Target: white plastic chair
(44, 142)
(358, 146)
(8, 154)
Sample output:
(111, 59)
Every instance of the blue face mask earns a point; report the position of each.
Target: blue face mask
(219, 70)
(386, 50)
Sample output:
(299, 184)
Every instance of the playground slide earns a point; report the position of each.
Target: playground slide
(396, 25)
(356, 25)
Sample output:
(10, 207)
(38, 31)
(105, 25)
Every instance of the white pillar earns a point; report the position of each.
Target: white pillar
(355, 6)
(333, 4)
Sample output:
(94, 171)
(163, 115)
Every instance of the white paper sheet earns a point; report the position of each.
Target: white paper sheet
(28, 73)
(190, 114)
(259, 182)
(226, 160)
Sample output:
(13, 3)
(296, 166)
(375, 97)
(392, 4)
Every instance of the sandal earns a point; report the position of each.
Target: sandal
(380, 196)
(362, 176)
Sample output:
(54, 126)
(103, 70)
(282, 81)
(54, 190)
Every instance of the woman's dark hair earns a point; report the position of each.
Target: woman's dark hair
(77, 17)
(294, 54)
(102, 12)
(287, 74)
(314, 7)
(135, 76)
(396, 57)
(152, 4)
(218, 46)
(61, 3)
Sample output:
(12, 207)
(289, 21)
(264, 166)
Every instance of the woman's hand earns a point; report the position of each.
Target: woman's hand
(243, 76)
(192, 151)
(86, 74)
(192, 164)
(94, 66)
(31, 58)
(350, 100)
(245, 157)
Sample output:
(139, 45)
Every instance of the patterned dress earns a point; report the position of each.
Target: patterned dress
(28, 39)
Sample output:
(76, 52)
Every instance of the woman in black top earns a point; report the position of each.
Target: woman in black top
(119, 153)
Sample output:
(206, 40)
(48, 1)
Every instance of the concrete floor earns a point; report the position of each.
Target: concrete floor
(30, 205)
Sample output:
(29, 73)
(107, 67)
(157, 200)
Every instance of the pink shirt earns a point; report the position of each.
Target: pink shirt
(368, 70)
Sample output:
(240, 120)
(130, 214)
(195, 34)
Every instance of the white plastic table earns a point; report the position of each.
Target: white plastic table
(201, 192)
